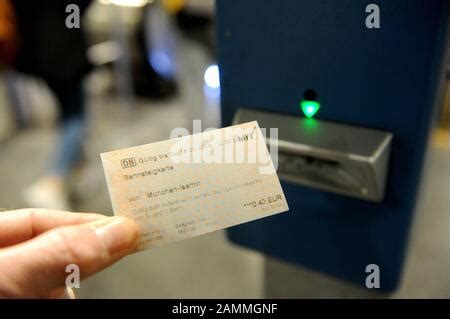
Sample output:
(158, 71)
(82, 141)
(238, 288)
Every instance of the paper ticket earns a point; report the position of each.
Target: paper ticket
(195, 184)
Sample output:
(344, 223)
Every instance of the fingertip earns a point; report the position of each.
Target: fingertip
(119, 235)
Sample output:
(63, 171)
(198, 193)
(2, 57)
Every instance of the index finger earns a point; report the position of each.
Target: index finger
(20, 225)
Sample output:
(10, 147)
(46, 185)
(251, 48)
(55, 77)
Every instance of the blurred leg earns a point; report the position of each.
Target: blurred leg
(50, 190)
(72, 127)
(18, 98)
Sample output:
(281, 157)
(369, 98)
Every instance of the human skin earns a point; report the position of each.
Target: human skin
(36, 246)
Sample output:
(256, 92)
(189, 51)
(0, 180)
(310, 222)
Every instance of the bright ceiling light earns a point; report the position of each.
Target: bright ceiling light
(127, 3)
(211, 76)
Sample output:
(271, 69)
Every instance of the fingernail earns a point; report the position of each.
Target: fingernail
(116, 233)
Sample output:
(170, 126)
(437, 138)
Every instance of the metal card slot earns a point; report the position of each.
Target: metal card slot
(334, 157)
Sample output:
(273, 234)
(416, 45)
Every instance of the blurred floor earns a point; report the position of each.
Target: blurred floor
(209, 266)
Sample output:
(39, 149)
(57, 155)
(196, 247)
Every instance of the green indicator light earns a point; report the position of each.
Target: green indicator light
(309, 108)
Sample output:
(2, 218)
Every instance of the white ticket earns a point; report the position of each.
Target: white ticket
(195, 184)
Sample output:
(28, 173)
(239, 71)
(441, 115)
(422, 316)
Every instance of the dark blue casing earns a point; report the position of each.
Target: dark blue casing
(271, 51)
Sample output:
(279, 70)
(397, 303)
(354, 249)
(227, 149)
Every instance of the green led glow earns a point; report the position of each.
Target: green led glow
(309, 125)
(309, 108)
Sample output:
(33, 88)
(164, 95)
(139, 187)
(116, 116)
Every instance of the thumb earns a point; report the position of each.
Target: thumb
(38, 267)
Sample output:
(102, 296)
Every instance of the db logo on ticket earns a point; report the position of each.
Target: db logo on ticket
(128, 162)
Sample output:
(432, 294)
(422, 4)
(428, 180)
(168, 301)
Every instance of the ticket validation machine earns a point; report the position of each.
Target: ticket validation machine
(353, 102)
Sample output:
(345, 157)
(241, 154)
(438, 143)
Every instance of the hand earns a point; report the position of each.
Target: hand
(36, 245)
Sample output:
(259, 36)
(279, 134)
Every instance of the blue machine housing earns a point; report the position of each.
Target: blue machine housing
(271, 51)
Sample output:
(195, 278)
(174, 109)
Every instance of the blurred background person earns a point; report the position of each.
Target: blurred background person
(57, 54)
